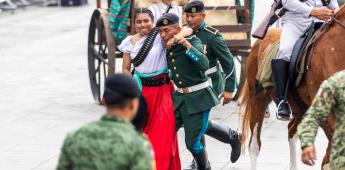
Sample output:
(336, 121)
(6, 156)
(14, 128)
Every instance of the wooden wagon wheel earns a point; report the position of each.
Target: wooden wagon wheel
(101, 52)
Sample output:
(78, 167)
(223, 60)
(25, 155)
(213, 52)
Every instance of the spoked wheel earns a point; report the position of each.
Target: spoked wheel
(240, 65)
(101, 52)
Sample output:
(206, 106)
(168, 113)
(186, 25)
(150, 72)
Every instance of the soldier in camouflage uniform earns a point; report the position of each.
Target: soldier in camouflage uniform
(329, 99)
(219, 56)
(111, 143)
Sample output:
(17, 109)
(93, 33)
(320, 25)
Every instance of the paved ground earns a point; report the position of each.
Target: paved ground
(45, 94)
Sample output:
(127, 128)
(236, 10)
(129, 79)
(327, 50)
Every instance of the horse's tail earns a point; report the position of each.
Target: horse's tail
(254, 105)
(247, 95)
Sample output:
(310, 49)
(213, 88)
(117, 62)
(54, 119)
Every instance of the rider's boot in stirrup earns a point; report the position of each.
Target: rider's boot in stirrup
(280, 71)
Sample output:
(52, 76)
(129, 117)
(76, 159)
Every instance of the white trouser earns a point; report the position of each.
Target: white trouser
(291, 32)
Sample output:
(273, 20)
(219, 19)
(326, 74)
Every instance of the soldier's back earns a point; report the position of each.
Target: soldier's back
(333, 90)
(110, 143)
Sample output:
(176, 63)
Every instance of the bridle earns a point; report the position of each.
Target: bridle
(336, 21)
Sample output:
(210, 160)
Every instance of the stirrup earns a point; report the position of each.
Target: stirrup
(281, 118)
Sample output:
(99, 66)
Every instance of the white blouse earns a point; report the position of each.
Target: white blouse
(159, 9)
(156, 58)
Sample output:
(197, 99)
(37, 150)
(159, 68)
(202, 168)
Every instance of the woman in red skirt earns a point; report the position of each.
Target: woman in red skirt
(151, 73)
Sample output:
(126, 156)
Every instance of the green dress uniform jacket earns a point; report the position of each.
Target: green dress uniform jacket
(218, 52)
(187, 68)
(109, 144)
(329, 99)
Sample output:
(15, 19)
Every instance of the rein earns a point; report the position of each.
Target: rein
(308, 51)
(338, 22)
(311, 44)
(327, 25)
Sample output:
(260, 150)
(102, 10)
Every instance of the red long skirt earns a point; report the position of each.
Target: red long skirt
(160, 126)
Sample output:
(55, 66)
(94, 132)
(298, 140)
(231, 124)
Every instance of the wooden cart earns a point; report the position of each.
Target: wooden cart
(102, 51)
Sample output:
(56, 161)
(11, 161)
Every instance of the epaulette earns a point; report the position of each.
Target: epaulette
(190, 37)
(211, 30)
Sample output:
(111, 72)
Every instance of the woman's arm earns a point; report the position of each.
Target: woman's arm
(126, 65)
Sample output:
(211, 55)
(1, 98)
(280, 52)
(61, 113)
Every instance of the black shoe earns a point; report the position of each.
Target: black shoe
(192, 166)
(226, 135)
(280, 72)
(235, 142)
(201, 160)
(283, 112)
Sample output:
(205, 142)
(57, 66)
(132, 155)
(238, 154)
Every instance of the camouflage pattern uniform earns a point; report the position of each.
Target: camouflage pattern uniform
(329, 99)
(109, 144)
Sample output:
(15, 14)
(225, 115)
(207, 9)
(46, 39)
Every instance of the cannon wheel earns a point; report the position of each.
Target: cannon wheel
(101, 52)
(240, 65)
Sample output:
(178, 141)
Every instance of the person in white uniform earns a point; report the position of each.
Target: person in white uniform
(299, 16)
(158, 9)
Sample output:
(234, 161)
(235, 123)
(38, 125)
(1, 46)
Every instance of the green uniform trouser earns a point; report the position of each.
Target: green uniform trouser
(195, 126)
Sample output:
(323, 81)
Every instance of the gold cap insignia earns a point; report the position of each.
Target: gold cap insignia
(193, 9)
(165, 21)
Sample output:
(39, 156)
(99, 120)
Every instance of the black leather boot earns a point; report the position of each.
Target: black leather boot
(280, 72)
(226, 135)
(201, 160)
(193, 165)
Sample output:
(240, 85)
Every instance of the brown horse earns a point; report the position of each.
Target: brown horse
(327, 58)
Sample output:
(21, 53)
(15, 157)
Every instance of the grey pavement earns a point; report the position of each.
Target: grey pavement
(45, 94)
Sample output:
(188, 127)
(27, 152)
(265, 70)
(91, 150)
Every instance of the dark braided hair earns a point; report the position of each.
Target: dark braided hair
(143, 11)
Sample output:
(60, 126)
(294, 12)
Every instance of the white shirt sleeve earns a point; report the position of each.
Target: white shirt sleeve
(298, 7)
(126, 45)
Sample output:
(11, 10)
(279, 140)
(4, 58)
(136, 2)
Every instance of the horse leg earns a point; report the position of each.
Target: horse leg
(328, 127)
(292, 130)
(293, 150)
(262, 102)
(254, 148)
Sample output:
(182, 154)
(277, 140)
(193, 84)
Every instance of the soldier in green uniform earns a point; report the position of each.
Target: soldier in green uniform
(329, 99)
(218, 55)
(111, 143)
(194, 96)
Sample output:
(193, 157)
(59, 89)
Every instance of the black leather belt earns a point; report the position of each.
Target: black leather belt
(155, 81)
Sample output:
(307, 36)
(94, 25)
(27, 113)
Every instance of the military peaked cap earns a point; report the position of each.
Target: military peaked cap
(194, 7)
(167, 19)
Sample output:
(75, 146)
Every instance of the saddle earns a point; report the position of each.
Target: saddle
(300, 57)
(299, 63)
